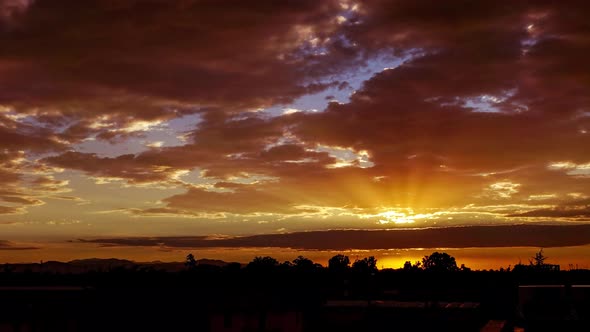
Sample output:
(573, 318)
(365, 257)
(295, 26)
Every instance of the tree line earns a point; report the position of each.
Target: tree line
(341, 263)
(435, 262)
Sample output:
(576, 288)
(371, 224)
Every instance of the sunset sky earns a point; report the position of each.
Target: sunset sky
(142, 129)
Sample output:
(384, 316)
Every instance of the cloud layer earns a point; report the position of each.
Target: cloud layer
(253, 113)
(7, 245)
(452, 237)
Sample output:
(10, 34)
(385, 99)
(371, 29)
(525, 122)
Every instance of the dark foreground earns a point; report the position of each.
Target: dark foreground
(231, 298)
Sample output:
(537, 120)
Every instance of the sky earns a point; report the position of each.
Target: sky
(126, 125)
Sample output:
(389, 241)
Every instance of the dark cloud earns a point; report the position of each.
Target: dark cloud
(10, 209)
(20, 200)
(393, 118)
(124, 166)
(67, 62)
(241, 200)
(453, 237)
(560, 212)
(7, 245)
(16, 136)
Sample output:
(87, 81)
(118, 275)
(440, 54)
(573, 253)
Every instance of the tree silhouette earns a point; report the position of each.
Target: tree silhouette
(538, 259)
(303, 263)
(338, 263)
(191, 262)
(408, 266)
(233, 267)
(366, 265)
(263, 263)
(439, 262)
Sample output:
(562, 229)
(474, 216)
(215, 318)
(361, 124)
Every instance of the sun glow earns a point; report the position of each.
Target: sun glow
(401, 217)
(395, 217)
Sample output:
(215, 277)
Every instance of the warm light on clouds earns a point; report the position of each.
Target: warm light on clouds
(399, 217)
(504, 189)
(573, 169)
(252, 117)
(346, 157)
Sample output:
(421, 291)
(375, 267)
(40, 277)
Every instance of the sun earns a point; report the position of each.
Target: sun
(396, 217)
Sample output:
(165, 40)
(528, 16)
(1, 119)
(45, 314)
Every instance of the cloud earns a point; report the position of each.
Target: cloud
(16, 136)
(7, 245)
(11, 210)
(241, 200)
(11, 8)
(124, 166)
(452, 237)
(484, 106)
(149, 61)
(392, 119)
(24, 183)
(559, 212)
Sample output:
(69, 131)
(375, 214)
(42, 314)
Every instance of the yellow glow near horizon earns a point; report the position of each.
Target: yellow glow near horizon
(395, 217)
(400, 216)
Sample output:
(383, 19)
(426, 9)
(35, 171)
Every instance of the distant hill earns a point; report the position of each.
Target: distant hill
(214, 262)
(102, 264)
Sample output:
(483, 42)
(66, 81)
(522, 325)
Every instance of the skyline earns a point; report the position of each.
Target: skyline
(186, 118)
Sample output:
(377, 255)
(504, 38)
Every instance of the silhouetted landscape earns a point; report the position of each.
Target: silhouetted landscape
(299, 295)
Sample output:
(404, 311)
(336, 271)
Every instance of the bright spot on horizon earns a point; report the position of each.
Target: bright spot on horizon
(408, 217)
